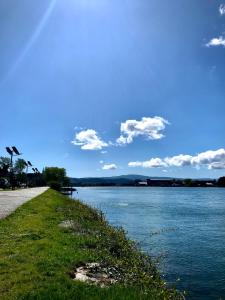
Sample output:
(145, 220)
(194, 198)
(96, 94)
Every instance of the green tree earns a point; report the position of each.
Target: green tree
(4, 166)
(20, 166)
(188, 182)
(221, 181)
(55, 177)
(4, 161)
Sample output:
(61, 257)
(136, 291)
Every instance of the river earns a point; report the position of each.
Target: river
(183, 228)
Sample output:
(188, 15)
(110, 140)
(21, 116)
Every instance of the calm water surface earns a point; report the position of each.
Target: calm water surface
(185, 226)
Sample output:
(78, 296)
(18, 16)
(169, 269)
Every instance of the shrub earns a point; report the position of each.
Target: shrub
(55, 175)
(221, 181)
(55, 185)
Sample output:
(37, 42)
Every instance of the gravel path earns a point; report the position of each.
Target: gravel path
(10, 200)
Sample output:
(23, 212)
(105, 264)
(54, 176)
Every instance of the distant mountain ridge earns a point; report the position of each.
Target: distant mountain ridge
(136, 177)
(113, 180)
(120, 180)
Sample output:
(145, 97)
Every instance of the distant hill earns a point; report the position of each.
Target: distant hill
(122, 180)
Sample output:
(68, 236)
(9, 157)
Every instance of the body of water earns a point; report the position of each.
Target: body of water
(183, 227)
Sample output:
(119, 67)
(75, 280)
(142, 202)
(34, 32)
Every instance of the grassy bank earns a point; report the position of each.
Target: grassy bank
(38, 257)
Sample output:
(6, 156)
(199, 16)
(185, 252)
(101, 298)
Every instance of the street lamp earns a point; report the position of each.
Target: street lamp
(13, 151)
(35, 170)
(27, 164)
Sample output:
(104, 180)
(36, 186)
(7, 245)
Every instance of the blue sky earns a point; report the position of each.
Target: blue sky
(73, 71)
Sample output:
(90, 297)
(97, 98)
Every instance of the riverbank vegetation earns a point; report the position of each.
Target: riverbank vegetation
(47, 239)
(145, 181)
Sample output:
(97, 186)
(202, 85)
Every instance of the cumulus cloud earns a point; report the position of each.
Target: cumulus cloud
(109, 167)
(152, 163)
(220, 41)
(209, 157)
(222, 9)
(217, 165)
(151, 128)
(213, 159)
(89, 140)
(179, 160)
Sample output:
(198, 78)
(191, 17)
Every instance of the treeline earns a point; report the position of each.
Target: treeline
(15, 175)
(85, 182)
(101, 181)
(187, 182)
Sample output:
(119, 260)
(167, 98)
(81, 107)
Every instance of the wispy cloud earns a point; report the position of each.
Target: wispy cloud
(151, 128)
(89, 140)
(222, 9)
(213, 159)
(78, 128)
(215, 42)
(109, 167)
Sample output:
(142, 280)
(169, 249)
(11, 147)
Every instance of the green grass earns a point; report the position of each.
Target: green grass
(37, 256)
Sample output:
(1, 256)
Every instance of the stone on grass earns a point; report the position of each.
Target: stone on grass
(95, 273)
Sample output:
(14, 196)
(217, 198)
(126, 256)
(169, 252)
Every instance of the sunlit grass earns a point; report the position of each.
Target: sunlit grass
(37, 256)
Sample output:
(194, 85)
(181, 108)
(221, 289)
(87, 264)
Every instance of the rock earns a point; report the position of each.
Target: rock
(94, 273)
(67, 224)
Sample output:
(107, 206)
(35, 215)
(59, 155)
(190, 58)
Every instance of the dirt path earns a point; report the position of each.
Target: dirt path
(10, 200)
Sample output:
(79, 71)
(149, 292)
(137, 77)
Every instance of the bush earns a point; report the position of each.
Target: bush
(55, 185)
(53, 175)
(4, 183)
(221, 181)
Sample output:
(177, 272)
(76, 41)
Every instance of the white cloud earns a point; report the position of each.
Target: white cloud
(152, 163)
(179, 160)
(104, 152)
(78, 128)
(211, 159)
(101, 161)
(89, 140)
(109, 167)
(220, 41)
(135, 164)
(217, 165)
(151, 128)
(222, 9)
